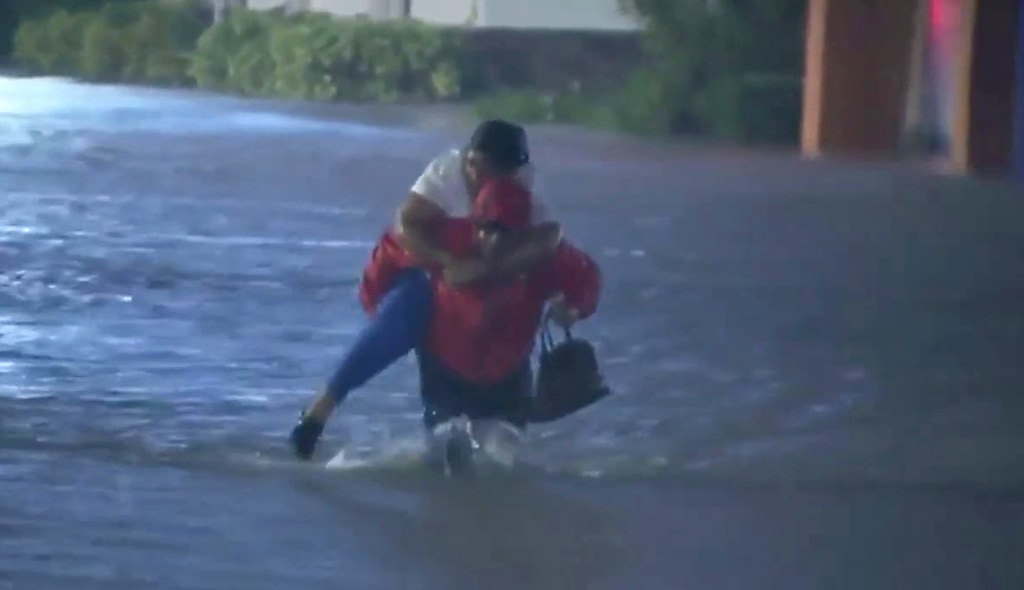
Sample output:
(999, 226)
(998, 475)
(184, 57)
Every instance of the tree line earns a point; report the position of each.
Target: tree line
(720, 68)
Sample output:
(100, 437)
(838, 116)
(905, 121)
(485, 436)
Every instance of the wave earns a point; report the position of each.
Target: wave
(257, 241)
(32, 106)
(812, 462)
(51, 124)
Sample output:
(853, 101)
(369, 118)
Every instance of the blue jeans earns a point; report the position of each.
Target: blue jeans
(398, 327)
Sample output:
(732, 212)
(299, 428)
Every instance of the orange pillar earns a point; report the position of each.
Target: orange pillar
(857, 65)
(986, 86)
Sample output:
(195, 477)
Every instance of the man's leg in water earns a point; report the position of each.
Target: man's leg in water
(398, 327)
(497, 415)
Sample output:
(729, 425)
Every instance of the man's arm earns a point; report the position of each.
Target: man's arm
(541, 243)
(416, 227)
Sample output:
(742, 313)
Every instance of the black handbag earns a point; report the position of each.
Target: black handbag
(568, 377)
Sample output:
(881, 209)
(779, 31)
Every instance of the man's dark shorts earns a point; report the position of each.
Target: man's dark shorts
(446, 396)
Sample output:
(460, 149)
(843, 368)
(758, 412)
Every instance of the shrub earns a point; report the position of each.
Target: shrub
(730, 69)
(729, 72)
(51, 46)
(307, 56)
(525, 106)
(754, 109)
(233, 55)
(159, 43)
(315, 56)
(103, 56)
(639, 107)
(120, 42)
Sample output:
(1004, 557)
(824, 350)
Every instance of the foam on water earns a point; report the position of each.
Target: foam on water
(249, 241)
(397, 454)
(46, 120)
(47, 106)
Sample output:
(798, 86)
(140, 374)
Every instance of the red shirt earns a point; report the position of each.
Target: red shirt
(484, 331)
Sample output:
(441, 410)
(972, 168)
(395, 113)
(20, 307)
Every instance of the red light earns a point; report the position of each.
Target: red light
(938, 14)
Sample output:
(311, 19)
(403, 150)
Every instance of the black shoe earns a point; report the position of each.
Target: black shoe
(305, 436)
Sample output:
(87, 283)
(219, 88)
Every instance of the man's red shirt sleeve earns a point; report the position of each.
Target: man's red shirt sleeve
(575, 275)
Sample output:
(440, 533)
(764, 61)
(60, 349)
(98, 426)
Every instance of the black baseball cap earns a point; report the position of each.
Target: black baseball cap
(501, 142)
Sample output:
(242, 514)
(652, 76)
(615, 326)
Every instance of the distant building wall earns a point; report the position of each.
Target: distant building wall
(446, 12)
(593, 15)
(581, 15)
(371, 8)
(220, 7)
(943, 48)
(264, 4)
(596, 15)
(930, 106)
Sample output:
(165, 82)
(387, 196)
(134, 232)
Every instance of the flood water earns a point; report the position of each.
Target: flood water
(818, 368)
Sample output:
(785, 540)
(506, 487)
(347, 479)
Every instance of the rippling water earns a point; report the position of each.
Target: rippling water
(818, 367)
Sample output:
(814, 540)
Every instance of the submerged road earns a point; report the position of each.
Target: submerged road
(817, 366)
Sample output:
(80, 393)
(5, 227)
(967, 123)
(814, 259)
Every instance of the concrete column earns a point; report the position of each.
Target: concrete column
(986, 87)
(914, 116)
(1018, 147)
(857, 65)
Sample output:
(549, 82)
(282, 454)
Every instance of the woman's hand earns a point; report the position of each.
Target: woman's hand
(561, 312)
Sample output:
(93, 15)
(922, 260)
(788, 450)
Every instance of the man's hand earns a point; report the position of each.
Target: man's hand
(465, 271)
(540, 244)
(561, 312)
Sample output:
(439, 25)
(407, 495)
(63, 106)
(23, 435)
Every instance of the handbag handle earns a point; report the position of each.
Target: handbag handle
(547, 341)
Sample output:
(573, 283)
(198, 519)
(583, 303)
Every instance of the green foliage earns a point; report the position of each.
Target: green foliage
(728, 68)
(233, 55)
(315, 56)
(639, 107)
(102, 56)
(303, 56)
(524, 106)
(752, 109)
(52, 46)
(16, 12)
(120, 42)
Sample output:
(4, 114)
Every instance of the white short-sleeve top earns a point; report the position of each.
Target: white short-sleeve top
(442, 182)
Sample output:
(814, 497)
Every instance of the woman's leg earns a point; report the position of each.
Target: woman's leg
(397, 328)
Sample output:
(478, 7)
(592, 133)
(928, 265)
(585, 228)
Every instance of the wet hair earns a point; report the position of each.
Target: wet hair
(502, 145)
